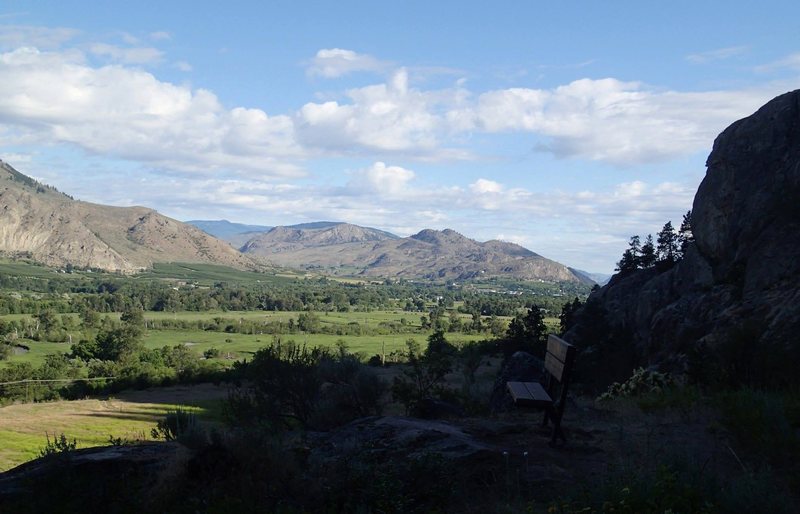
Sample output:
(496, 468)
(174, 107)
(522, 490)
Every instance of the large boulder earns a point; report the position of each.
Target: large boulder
(733, 299)
(101, 479)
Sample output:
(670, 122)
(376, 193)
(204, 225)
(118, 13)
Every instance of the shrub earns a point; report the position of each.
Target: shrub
(181, 425)
(423, 378)
(58, 446)
(286, 385)
(642, 382)
(211, 353)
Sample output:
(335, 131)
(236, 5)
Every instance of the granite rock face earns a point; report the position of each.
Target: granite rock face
(740, 281)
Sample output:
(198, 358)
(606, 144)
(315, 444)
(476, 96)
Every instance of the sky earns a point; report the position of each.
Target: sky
(565, 127)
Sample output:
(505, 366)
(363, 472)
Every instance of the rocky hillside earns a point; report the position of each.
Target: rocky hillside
(731, 307)
(429, 254)
(39, 223)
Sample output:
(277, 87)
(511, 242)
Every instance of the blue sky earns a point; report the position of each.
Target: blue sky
(563, 126)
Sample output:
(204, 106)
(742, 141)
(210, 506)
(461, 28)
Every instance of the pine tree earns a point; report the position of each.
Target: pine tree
(627, 263)
(568, 314)
(685, 235)
(631, 258)
(648, 257)
(667, 249)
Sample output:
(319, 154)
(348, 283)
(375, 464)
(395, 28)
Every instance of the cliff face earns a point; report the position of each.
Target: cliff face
(735, 296)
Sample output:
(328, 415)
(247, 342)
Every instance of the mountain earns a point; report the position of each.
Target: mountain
(42, 224)
(224, 229)
(600, 278)
(729, 311)
(431, 254)
(284, 240)
(238, 234)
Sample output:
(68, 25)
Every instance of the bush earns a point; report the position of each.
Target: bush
(286, 386)
(181, 425)
(641, 383)
(58, 446)
(423, 378)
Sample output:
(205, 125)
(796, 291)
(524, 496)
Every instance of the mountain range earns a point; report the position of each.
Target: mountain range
(40, 223)
(431, 254)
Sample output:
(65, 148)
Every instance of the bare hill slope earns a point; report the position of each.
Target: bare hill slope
(40, 223)
(429, 254)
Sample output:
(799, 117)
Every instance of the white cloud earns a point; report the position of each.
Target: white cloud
(160, 35)
(183, 66)
(391, 118)
(382, 179)
(482, 185)
(336, 62)
(53, 97)
(790, 62)
(15, 36)
(382, 117)
(133, 55)
(717, 54)
(608, 120)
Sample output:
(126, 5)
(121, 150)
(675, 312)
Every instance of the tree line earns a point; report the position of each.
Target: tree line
(665, 251)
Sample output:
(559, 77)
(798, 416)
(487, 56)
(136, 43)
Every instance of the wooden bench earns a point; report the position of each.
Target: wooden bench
(551, 396)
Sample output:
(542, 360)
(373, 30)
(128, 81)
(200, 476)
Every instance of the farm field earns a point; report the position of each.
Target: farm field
(236, 345)
(24, 428)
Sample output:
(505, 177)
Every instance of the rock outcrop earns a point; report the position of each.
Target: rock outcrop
(734, 299)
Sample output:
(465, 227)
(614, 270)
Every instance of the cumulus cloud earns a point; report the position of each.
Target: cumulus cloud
(382, 179)
(55, 97)
(336, 62)
(387, 118)
(609, 120)
(382, 117)
(483, 185)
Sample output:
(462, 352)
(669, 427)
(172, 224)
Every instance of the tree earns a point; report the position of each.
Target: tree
(89, 317)
(423, 378)
(46, 319)
(308, 322)
(648, 257)
(568, 315)
(685, 235)
(627, 263)
(526, 332)
(631, 258)
(118, 343)
(132, 316)
(667, 249)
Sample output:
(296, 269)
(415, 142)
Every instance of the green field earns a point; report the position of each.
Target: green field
(236, 346)
(208, 274)
(241, 345)
(24, 428)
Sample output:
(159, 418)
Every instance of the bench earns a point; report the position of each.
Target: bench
(552, 396)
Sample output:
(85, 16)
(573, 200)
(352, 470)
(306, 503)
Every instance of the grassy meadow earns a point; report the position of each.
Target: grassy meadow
(236, 346)
(131, 415)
